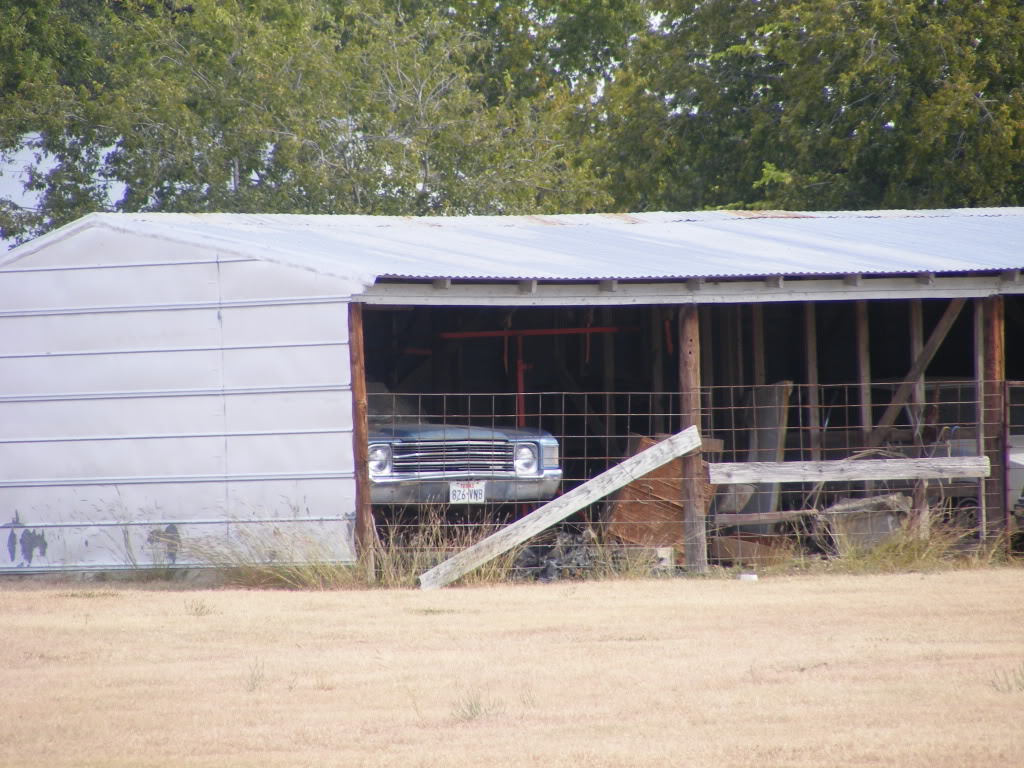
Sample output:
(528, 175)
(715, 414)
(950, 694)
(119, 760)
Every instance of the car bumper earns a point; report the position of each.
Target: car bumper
(403, 490)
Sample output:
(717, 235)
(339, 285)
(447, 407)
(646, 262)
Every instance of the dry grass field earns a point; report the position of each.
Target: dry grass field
(790, 671)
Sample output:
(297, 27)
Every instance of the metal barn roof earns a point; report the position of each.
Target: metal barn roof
(645, 246)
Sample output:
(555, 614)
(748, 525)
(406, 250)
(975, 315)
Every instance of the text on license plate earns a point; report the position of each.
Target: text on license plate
(466, 492)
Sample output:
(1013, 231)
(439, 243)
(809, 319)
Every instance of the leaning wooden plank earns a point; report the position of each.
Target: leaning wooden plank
(544, 517)
(870, 469)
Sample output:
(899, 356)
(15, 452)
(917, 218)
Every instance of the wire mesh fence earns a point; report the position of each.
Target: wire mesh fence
(468, 462)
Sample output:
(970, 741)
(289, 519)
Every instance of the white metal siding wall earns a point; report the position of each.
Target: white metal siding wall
(150, 392)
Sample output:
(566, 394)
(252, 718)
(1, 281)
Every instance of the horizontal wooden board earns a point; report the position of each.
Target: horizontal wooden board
(845, 470)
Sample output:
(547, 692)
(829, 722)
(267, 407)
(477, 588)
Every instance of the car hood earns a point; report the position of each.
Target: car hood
(422, 430)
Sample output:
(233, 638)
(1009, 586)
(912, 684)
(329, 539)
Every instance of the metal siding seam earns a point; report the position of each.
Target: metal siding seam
(126, 265)
(180, 307)
(180, 521)
(268, 433)
(156, 393)
(159, 350)
(171, 479)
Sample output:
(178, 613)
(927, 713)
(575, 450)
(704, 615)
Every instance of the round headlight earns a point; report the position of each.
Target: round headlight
(526, 459)
(380, 459)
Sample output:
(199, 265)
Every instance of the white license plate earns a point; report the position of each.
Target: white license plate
(466, 491)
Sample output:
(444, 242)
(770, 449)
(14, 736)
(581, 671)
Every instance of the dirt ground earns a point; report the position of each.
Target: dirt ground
(795, 671)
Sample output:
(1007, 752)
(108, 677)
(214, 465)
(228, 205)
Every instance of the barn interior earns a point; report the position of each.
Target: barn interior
(786, 380)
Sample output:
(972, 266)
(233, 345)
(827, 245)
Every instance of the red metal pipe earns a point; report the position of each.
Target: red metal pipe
(533, 332)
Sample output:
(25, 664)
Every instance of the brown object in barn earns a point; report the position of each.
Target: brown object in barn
(649, 511)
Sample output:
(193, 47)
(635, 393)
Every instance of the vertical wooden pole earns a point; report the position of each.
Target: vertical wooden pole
(366, 532)
(608, 381)
(657, 371)
(707, 370)
(693, 480)
(916, 347)
(738, 346)
(979, 394)
(864, 370)
(921, 511)
(994, 410)
(813, 392)
(864, 375)
(757, 342)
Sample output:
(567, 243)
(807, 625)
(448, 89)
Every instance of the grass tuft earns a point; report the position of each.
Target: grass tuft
(473, 705)
(256, 677)
(198, 607)
(1009, 681)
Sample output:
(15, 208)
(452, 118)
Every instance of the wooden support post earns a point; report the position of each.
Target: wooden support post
(922, 514)
(657, 348)
(737, 346)
(918, 368)
(916, 348)
(366, 531)
(864, 375)
(707, 369)
(979, 395)
(757, 342)
(813, 391)
(693, 480)
(608, 380)
(864, 369)
(994, 411)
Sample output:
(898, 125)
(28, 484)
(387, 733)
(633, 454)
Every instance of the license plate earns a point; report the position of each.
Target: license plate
(466, 492)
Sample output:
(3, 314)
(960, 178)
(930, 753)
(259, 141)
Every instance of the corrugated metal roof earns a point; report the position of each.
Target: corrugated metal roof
(641, 246)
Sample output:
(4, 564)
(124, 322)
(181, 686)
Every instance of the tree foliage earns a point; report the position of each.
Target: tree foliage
(824, 104)
(296, 106)
(528, 106)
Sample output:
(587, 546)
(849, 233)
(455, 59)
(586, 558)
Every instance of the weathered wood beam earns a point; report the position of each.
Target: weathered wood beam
(993, 411)
(864, 367)
(918, 369)
(724, 473)
(694, 528)
(507, 292)
(555, 511)
(916, 348)
(366, 530)
(757, 342)
(979, 394)
(813, 393)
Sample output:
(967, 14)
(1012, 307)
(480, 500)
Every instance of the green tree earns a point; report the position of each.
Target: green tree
(825, 104)
(290, 106)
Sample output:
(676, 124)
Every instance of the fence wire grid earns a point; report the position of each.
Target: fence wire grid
(470, 462)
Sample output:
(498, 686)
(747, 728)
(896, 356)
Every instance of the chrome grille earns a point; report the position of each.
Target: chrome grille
(456, 456)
